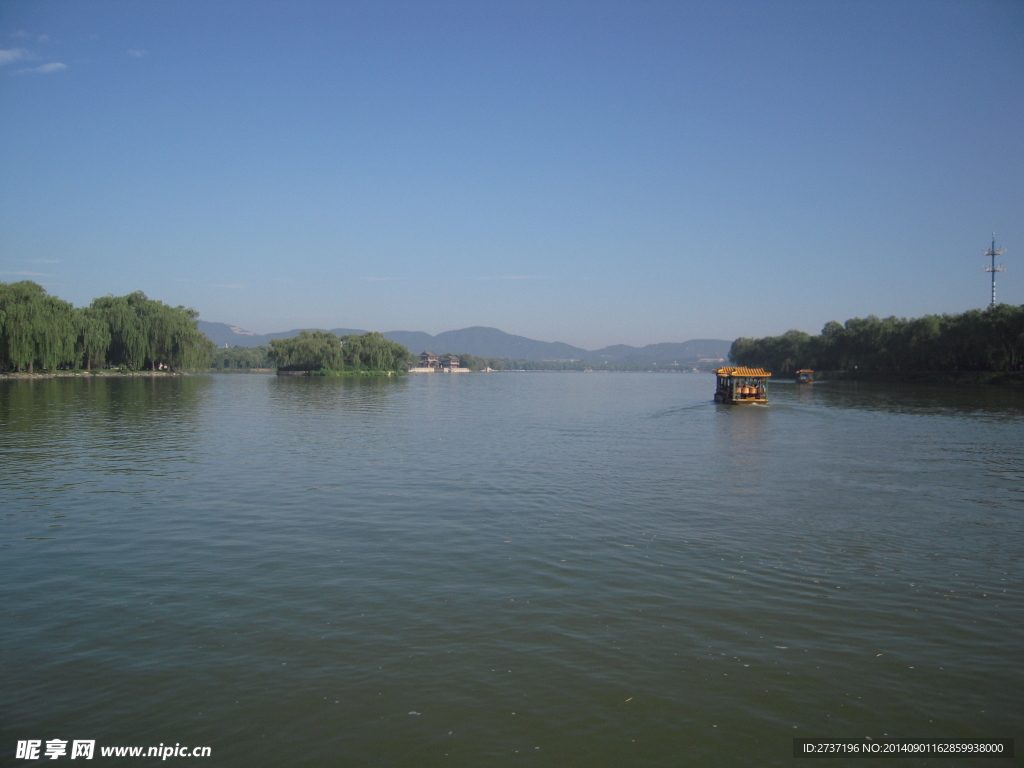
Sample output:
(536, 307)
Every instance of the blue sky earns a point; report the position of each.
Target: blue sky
(593, 173)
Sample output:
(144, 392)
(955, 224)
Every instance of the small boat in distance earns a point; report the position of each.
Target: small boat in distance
(805, 376)
(742, 386)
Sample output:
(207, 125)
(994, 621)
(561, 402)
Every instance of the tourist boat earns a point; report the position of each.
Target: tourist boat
(805, 376)
(742, 386)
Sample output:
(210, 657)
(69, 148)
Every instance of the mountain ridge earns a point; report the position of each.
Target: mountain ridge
(483, 341)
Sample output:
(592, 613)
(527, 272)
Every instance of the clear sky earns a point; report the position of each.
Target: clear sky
(593, 173)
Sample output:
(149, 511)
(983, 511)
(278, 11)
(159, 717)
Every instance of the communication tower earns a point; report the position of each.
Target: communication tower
(992, 253)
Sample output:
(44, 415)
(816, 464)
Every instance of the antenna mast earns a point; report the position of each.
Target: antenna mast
(993, 252)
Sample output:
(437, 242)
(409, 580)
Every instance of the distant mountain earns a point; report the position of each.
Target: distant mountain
(416, 341)
(233, 336)
(491, 342)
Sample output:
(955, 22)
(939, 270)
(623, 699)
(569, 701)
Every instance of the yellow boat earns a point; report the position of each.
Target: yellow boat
(805, 376)
(742, 386)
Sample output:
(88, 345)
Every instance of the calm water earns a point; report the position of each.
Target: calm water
(507, 569)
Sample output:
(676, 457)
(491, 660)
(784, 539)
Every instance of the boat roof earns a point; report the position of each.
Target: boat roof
(806, 370)
(750, 372)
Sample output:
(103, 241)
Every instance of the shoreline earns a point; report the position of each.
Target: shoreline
(86, 374)
(240, 370)
(326, 373)
(1005, 379)
(1009, 379)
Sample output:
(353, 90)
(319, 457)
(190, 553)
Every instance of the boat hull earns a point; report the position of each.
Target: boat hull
(726, 400)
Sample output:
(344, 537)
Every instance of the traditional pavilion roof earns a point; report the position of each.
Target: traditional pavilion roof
(748, 372)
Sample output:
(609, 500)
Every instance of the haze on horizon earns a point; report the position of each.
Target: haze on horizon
(587, 173)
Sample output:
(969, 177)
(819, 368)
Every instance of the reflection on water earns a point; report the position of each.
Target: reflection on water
(357, 393)
(103, 434)
(742, 442)
(937, 399)
(120, 402)
(542, 569)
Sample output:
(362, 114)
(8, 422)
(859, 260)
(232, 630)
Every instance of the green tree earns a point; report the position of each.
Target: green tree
(977, 340)
(129, 340)
(241, 358)
(147, 333)
(38, 329)
(93, 337)
(309, 351)
(321, 350)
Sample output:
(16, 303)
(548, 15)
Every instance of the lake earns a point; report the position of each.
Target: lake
(537, 569)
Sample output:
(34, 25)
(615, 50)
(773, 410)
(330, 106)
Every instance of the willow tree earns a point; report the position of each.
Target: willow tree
(322, 350)
(129, 341)
(148, 333)
(174, 338)
(372, 351)
(36, 329)
(309, 351)
(241, 358)
(93, 337)
(39, 330)
(182, 345)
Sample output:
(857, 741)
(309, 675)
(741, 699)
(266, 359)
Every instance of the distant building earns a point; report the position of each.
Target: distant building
(431, 363)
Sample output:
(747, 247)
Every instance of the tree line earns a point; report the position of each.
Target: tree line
(241, 358)
(508, 364)
(977, 340)
(43, 332)
(310, 356)
(325, 351)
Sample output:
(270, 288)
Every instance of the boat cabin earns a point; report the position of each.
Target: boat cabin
(742, 386)
(805, 376)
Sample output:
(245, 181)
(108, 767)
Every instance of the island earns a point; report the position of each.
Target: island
(322, 353)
